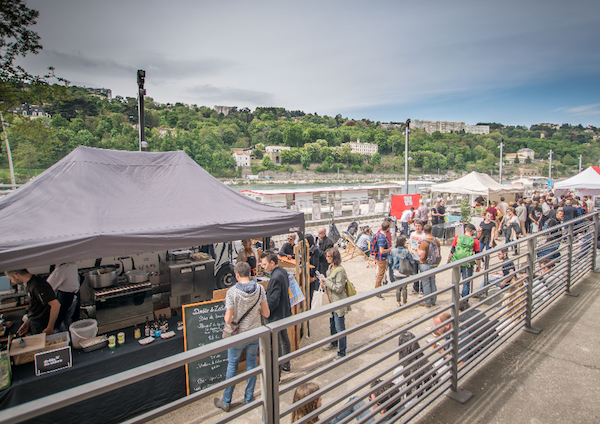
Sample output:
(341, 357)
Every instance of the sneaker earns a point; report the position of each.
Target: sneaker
(421, 294)
(219, 404)
(414, 292)
(286, 370)
(380, 297)
(328, 347)
(337, 358)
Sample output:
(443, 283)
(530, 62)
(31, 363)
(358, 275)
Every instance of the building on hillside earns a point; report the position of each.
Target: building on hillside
(394, 125)
(32, 111)
(526, 153)
(223, 109)
(529, 172)
(449, 126)
(242, 158)
(546, 124)
(511, 157)
(162, 131)
(274, 152)
(363, 148)
(100, 92)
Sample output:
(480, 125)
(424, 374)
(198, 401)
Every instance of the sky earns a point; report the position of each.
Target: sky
(516, 62)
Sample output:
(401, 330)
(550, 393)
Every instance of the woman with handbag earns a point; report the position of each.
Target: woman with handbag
(245, 303)
(335, 283)
(402, 266)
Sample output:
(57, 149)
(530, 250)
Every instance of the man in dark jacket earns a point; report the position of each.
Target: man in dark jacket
(570, 212)
(278, 299)
(324, 244)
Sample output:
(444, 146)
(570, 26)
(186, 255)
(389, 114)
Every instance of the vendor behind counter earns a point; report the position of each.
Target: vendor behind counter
(43, 306)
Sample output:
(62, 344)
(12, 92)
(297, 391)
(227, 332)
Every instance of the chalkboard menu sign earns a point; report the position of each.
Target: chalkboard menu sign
(202, 324)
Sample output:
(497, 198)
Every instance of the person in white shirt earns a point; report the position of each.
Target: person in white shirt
(64, 280)
(404, 218)
(414, 240)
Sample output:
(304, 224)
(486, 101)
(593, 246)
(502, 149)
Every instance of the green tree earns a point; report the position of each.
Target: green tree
(258, 154)
(26, 156)
(568, 160)
(517, 161)
(305, 160)
(376, 159)
(528, 160)
(369, 168)
(267, 162)
(292, 135)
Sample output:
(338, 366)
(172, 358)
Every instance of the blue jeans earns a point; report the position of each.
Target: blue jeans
(337, 324)
(350, 411)
(405, 228)
(492, 280)
(233, 359)
(428, 284)
(466, 272)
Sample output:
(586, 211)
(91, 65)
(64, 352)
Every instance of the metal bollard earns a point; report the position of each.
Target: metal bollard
(530, 275)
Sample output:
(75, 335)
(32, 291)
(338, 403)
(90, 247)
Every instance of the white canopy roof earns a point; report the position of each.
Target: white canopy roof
(588, 179)
(476, 183)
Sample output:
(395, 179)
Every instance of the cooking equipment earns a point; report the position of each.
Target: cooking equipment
(120, 306)
(95, 343)
(178, 255)
(190, 280)
(137, 276)
(102, 277)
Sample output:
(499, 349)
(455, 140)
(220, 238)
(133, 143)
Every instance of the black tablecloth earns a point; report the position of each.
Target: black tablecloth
(445, 231)
(112, 407)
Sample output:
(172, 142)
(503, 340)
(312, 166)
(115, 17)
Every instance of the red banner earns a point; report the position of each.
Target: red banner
(401, 202)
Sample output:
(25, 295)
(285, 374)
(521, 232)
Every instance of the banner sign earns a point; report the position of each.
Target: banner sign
(401, 202)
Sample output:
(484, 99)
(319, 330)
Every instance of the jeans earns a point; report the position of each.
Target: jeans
(428, 284)
(466, 272)
(65, 299)
(405, 228)
(417, 286)
(337, 324)
(492, 280)
(350, 411)
(284, 348)
(233, 359)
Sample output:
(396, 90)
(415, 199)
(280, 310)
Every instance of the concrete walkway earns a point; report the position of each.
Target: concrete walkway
(552, 377)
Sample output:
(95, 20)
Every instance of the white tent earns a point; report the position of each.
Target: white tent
(588, 179)
(478, 184)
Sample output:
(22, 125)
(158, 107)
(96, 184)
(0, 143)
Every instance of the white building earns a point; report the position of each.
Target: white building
(223, 109)
(526, 153)
(449, 126)
(362, 148)
(242, 158)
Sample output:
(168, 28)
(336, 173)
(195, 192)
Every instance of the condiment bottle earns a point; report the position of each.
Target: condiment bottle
(152, 331)
(137, 333)
(121, 338)
(112, 342)
(147, 329)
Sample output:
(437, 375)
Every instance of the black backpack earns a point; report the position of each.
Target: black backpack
(352, 228)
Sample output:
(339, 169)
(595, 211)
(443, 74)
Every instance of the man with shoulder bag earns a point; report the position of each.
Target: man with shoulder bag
(245, 303)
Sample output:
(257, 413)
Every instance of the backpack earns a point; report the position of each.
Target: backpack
(434, 257)
(464, 249)
(352, 228)
(374, 247)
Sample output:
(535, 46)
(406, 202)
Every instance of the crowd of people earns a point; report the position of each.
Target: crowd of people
(398, 256)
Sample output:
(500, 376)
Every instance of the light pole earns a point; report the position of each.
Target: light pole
(580, 157)
(406, 157)
(501, 148)
(141, 75)
(10, 162)
(550, 166)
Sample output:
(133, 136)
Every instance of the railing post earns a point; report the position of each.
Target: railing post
(456, 392)
(275, 375)
(530, 276)
(594, 243)
(570, 240)
(267, 378)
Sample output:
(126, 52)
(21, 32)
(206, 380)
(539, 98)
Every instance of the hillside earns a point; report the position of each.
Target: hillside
(80, 118)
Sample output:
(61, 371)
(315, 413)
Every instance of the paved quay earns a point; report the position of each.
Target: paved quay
(552, 377)
(547, 378)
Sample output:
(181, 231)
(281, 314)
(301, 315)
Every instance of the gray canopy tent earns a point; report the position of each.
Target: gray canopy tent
(96, 203)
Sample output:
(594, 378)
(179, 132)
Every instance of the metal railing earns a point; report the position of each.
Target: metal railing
(424, 365)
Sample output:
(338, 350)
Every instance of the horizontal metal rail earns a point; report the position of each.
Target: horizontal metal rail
(427, 366)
